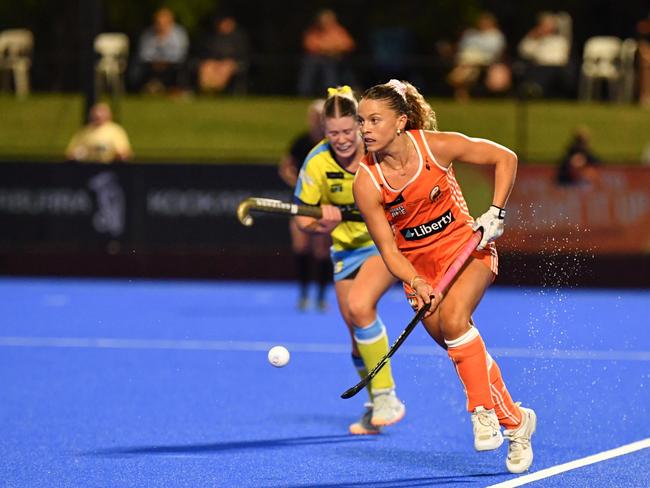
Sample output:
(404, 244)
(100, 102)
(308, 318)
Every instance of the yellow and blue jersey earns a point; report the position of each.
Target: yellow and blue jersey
(323, 181)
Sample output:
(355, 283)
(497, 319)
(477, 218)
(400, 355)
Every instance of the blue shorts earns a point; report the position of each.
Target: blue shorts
(348, 261)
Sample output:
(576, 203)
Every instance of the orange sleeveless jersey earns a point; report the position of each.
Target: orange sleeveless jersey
(428, 215)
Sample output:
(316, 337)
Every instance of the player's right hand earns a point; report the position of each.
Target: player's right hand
(424, 294)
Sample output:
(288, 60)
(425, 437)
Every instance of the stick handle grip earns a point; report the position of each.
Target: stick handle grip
(285, 208)
(458, 263)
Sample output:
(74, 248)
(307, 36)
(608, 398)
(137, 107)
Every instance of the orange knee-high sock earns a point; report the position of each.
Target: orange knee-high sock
(469, 356)
(507, 411)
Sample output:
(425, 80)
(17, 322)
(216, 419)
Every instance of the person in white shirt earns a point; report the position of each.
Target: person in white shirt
(545, 53)
(479, 54)
(101, 140)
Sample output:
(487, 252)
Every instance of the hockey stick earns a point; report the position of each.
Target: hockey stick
(269, 205)
(447, 278)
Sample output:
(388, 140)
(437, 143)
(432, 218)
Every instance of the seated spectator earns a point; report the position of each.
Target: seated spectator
(578, 166)
(325, 44)
(101, 140)
(479, 59)
(545, 55)
(224, 57)
(162, 51)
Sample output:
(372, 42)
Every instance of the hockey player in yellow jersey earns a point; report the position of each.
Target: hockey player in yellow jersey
(360, 276)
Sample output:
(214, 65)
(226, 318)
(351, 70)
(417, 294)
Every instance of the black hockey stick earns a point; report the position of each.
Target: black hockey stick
(269, 205)
(448, 277)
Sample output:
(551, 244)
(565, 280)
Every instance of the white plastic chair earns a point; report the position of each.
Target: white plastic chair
(600, 62)
(15, 58)
(113, 48)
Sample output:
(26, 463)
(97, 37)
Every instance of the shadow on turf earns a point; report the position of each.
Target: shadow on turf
(227, 446)
(404, 482)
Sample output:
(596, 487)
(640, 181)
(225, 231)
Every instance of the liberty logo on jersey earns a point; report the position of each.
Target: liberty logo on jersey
(428, 228)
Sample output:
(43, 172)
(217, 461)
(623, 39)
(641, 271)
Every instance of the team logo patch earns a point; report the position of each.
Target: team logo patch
(338, 266)
(428, 228)
(435, 194)
(397, 211)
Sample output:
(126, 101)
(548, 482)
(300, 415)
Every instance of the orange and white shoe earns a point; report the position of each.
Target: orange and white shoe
(388, 409)
(363, 426)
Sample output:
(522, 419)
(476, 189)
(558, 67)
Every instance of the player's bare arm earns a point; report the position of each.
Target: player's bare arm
(330, 219)
(453, 146)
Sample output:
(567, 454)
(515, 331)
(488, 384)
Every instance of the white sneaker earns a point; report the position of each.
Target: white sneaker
(388, 409)
(363, 426)
(487, 432)
(520, 450)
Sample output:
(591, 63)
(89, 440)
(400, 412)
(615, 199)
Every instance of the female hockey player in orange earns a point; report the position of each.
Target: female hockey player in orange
(415, 212)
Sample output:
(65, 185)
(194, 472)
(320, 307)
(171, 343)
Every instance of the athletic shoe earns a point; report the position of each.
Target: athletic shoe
(520, 450)
(388, 409)
(487, 432)
(323, 306)
(304, 304)
(363, 426)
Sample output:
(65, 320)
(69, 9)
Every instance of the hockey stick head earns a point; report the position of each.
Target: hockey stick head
(243, 212)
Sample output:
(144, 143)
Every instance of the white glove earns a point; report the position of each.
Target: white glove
(492, 224)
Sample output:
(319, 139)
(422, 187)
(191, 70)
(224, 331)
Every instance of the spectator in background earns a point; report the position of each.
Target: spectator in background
(312, 251)
(578, 166)
(643, 30)
(224, 57)
(479, 59)
(101, 140)
(162, 52)
(544, 52)
(325, 44)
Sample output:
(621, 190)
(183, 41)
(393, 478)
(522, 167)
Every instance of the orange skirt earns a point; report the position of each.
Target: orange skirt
(431, 262)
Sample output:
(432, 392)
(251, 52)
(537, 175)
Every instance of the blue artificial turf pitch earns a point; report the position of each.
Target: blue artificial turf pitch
(166, 383)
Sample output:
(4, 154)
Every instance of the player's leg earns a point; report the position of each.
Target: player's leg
(371, 282)
(342, 289)
(466, 349)
(300, 247)
(321, 251)
(487, 396)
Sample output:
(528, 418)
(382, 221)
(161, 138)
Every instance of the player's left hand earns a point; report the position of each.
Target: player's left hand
(331, 217)
(492, 224)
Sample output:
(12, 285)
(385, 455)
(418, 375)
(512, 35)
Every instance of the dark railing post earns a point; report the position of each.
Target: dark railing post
(90, 13)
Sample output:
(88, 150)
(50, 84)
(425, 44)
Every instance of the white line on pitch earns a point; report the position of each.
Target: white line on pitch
(211, 345)
(578, 463)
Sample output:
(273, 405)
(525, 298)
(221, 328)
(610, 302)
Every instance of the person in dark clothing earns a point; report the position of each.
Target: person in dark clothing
(310, 250)
(224, 57)
(579, 163)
